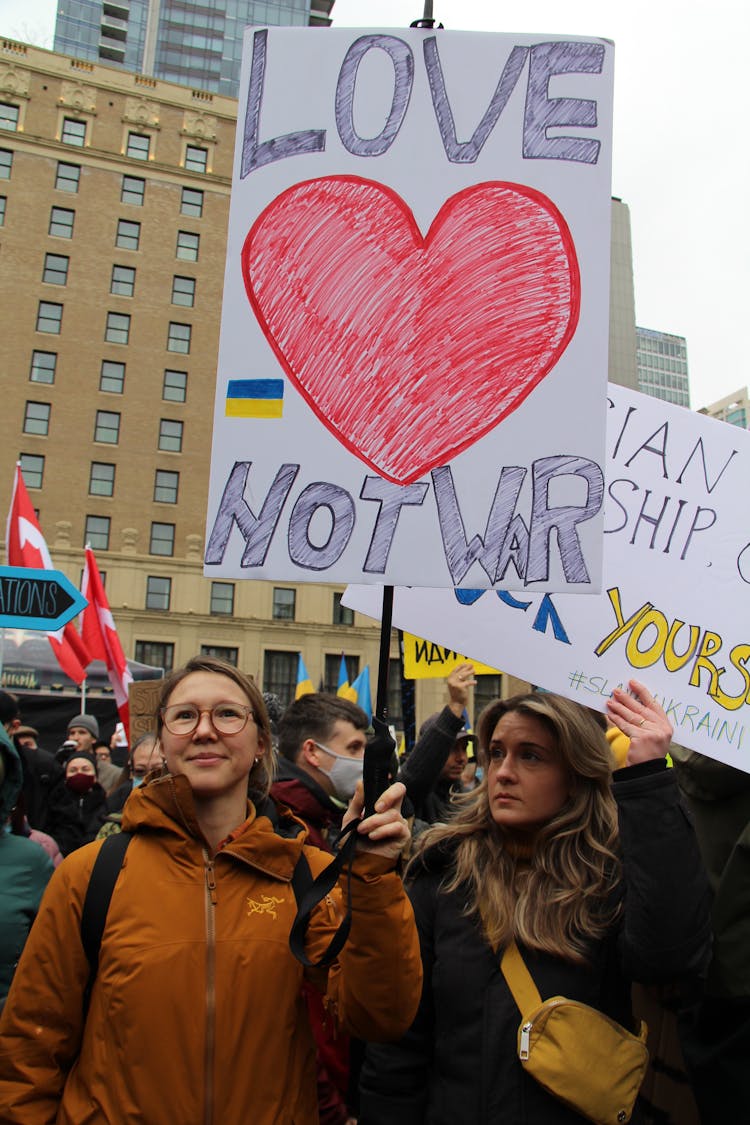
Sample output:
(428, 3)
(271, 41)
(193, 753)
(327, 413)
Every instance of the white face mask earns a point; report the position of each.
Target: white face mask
(344, 773)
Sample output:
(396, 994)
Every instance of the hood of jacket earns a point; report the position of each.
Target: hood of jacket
(165, 805)
(12, 776)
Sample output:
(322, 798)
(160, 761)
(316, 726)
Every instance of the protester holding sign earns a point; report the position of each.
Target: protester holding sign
(196, 1013)
(594, 883)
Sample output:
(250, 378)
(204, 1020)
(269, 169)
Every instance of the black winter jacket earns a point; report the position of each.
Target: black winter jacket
(458, 1062)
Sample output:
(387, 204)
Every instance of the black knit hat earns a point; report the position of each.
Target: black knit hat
(81, 754)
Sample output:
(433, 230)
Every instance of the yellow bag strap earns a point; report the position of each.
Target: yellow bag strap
(519, 979)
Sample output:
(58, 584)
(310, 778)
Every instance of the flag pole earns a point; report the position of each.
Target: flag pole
(381, 705)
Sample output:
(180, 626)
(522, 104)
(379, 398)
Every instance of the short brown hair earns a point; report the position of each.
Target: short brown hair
(313, 716)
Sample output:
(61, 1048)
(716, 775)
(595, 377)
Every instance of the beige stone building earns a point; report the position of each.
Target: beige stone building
(734, 408)
(114, 190)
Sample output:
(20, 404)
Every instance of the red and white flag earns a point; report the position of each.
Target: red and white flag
(26, 546)
(100, 637)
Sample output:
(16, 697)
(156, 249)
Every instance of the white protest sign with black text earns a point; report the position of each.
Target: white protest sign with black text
(674, 609)
(412, 368)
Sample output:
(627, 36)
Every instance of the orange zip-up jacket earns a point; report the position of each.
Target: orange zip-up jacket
(196, 1014)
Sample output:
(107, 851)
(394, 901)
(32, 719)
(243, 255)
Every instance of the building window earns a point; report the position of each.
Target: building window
(191, 202)
(222, 652)
(112, 377)
(341, 614)
(332, 667)
(9, 118)
(55, 269)
(43, 367)
(488, 688)
(187, 245)
(49, 317)
(175, 386)
(6, 163)
(158, 654)
(97, 532)
(68, 176)
(280, 675)
(283, 604)
(170, 435)
(158, 592)
(183, 291)
(32, 467)
(118, 328)
(128, 235)
(36, 418)
(222, 598)
(196, 158)
(166, 485)
(73, 132)
(107, 428)
(3, 205)
(162, 539)
(61, 222)
(101, 479)
(138, 146)
(123, 281)
(133, 190)
(178, 337)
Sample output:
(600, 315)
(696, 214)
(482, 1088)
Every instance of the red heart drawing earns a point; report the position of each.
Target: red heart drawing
(410, 348)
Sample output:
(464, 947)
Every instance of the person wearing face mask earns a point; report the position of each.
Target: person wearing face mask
(321, 744)
(83, 800)
(322, 741)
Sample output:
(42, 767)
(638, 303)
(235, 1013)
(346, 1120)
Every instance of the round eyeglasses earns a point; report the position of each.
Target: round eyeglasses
(226, 718)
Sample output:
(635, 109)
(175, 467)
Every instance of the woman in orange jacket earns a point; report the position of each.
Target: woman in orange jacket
(196, 1014)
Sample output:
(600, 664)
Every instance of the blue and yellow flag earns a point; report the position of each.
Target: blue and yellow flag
(361, 685)
(254, 398)
(304, 683)
(343, 685)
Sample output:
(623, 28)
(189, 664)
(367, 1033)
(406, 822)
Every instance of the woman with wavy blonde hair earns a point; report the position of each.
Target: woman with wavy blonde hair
(597, 878)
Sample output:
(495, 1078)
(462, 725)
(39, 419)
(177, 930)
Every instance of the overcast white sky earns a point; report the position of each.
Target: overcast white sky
(681, 158)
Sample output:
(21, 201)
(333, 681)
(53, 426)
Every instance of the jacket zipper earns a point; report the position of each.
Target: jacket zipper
(210, 987)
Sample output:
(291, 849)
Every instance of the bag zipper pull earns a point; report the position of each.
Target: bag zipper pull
(523, 1051)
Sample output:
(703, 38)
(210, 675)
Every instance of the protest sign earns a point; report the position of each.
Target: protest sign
(416, 291)
(673, 612)
(426, 660)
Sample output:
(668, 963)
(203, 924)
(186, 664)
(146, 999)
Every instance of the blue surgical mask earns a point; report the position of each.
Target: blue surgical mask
(344, 773)
(136, 781)
(479, 773)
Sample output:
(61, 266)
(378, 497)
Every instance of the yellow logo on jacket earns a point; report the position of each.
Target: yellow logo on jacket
(267, 905)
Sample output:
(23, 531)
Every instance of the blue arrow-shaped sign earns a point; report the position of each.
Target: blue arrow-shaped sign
(37, 599)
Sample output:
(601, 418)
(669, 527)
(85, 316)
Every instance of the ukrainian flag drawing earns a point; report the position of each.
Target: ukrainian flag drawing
(254, 398)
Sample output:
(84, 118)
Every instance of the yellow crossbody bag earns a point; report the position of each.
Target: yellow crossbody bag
(583, 1057)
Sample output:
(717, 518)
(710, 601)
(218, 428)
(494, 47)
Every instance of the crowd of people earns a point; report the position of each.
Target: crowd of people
(551, 831)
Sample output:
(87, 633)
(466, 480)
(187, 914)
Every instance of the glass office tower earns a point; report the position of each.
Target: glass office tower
(194, 43)
(663, 366)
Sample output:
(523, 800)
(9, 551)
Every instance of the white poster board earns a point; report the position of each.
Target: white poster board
(416, 294)
(674, 612)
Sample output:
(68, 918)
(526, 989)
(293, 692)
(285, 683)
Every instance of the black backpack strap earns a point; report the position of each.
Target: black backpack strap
(96, 904)
(309, 893)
